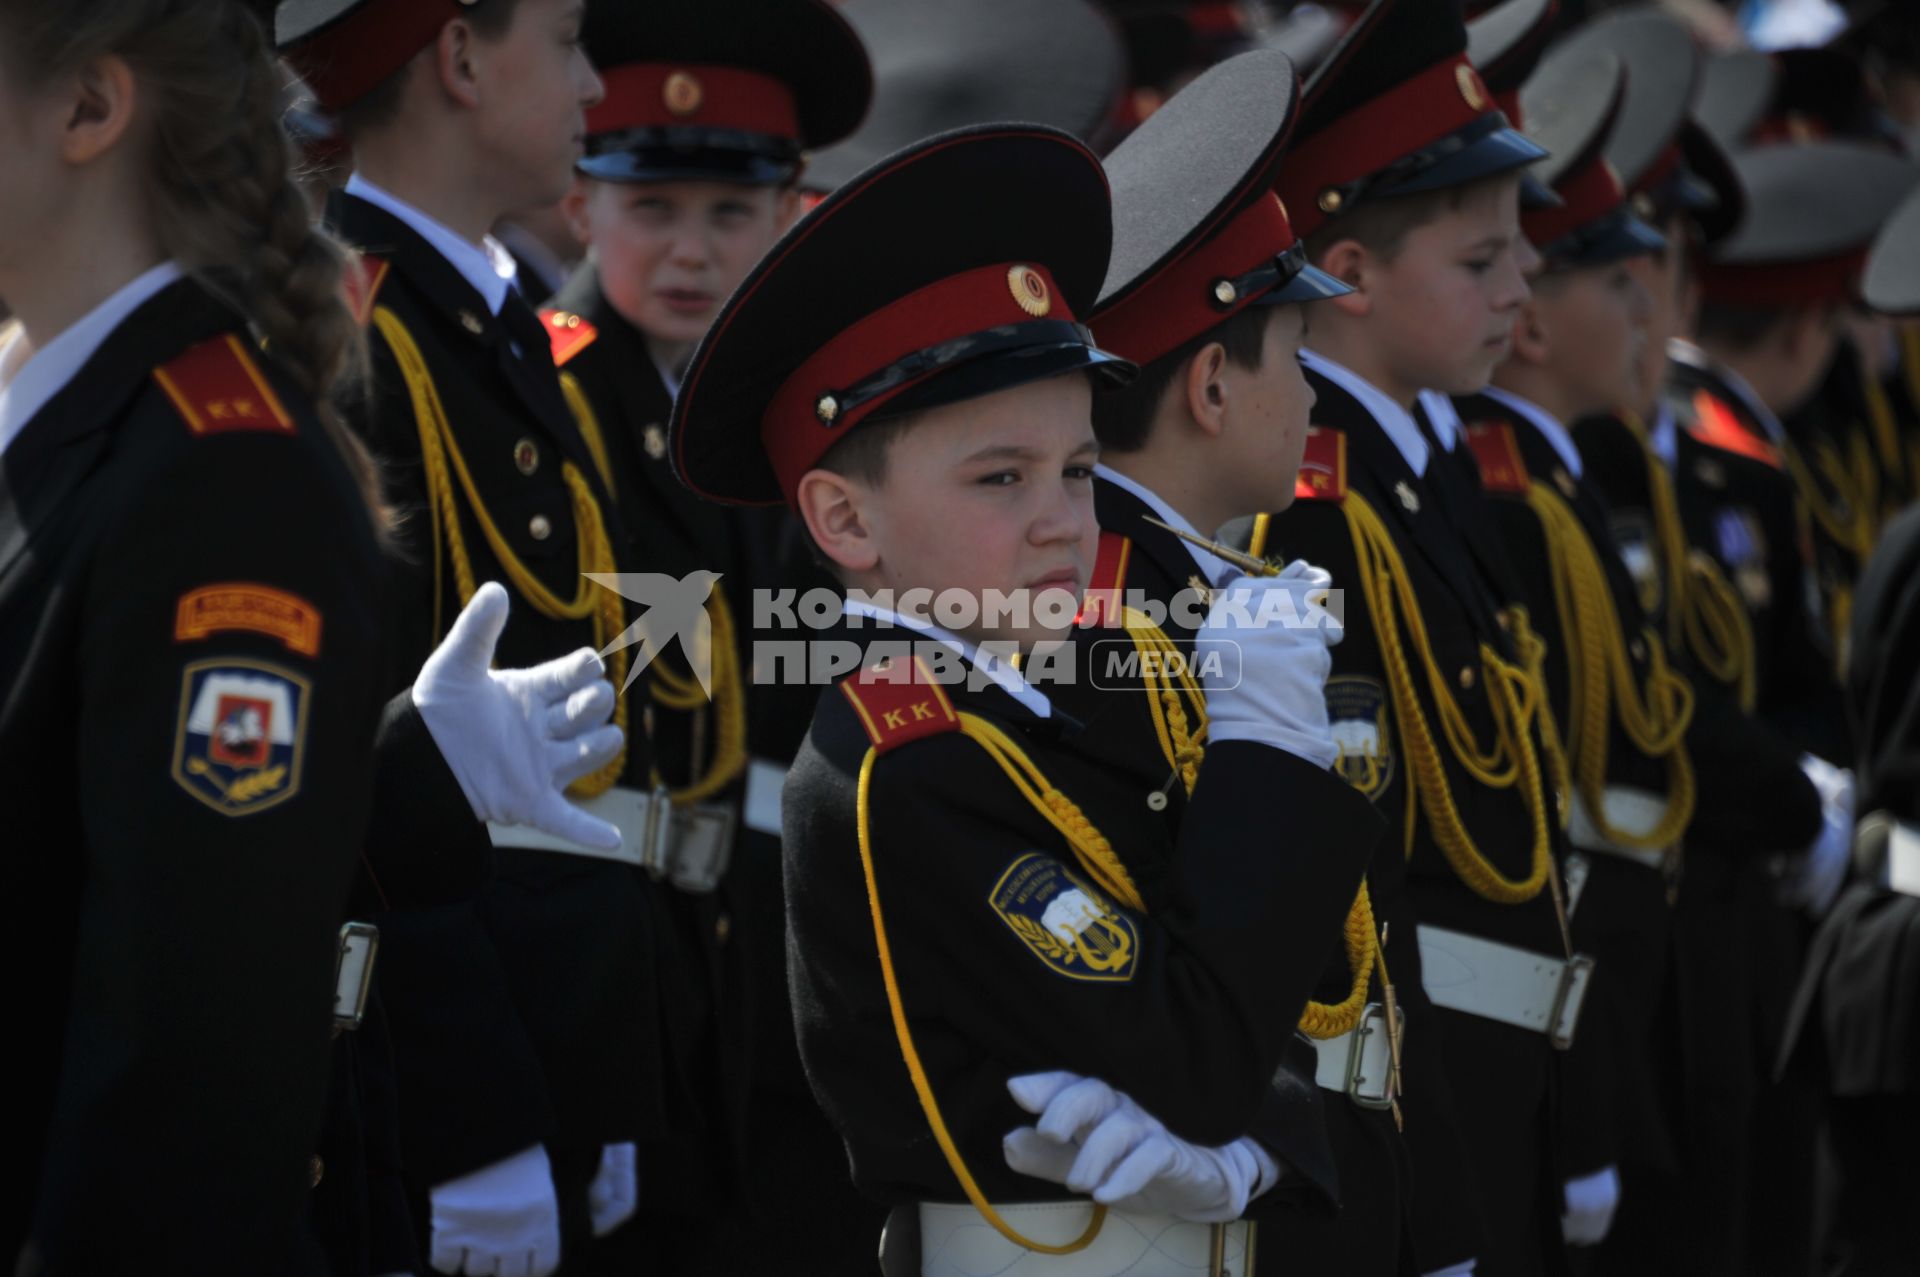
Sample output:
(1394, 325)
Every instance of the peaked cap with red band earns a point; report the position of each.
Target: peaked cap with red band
(847, 316)
(720, 90)
(1892, 284)
(1198, 234)
(1571, 106)
(345, 49)
(1396, 109)
(1504, 43)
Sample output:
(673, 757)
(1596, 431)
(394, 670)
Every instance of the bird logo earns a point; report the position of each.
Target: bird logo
(674, 609)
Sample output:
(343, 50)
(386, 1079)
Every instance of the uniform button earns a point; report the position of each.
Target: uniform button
(722, 928)
(654, 439)
(315, 1170)
(540, 528)
(1639, 650)
(471, 322)
(526, 456)
(1466, 678)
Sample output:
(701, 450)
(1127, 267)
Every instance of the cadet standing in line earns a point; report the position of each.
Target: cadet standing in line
(964, 904)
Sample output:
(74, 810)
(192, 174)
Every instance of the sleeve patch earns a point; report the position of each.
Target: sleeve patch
(241, 734)
(1362, 738)
(569, 333)
(899, 702)
(1106, 591)
(218, 387)
(1497, 453)
(1323, 467)
(233, 605)
(1065, 921)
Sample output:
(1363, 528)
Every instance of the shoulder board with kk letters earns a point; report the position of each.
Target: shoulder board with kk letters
(1497, 453)
(899, 703)
(1323, 467)
(218, 387)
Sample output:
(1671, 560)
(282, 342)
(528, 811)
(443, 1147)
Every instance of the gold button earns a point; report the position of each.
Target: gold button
(1404, 491)
(540, 527)
(1639, 650)
(1466, 678)
(827, 409)
(654, 440)
(1564, 482)
(723, 928)
(471, 322)
(526, 456)
(315, 1170)
(1330, 201)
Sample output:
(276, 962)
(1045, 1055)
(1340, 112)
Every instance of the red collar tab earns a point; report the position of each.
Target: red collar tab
(1717, 424)
(1417, 112)
(1589, 194)
(1497, 453)
(805, 417)
(1323, 466)
(678, 95)
(1785, 285)
(1198, 290)
(357, 54)
(568, 334)
(1106, 590)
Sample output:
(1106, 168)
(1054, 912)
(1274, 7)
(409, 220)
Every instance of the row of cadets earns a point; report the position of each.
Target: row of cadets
(1206, 291)
(529, 1030)
(1406, 178)
(1852, 1031)
(691, 174)
(978, 901)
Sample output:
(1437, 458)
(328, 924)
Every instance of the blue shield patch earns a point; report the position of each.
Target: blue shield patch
(1357, 713)
(241, 734)
(1743, 548)
(1065, 921)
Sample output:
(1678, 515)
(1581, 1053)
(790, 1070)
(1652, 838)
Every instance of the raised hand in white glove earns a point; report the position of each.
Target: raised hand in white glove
(502, 1220)
(1591, 1201)
(615, 1192)
(1282, 628)
(1815, 879)
(515, 739)
(1096, 1140)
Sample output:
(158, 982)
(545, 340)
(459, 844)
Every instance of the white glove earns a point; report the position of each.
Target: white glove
(1591, 1201)
(1283, 630)
(516, 738)
(1462, 1269)
(501, 1221)
(1096, 1140)
(614, 1194)
(1816, 880)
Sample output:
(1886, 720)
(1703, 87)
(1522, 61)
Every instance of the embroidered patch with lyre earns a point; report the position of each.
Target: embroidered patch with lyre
(235, 605)
(1065, 920)
(1357, 712)
(241, 734)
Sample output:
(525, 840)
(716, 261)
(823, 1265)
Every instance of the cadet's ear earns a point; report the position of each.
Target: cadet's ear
(1348, 261)
(104, 97)
(454, 62)
(573, 207)
(1532, 339)
(1206, 388)
(831, 507)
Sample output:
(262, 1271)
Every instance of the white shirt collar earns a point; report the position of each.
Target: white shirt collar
(46, 372)
(1392, 417)
(1688, 353)
(1543, 421)
(1442, 416)
(1665, 435)
(1010, 680)
(479, 264)
(1214, 568)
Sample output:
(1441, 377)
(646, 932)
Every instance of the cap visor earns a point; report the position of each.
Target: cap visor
(686, 166)
(1500, 151)
(1618, 238)
(1004, 371)
(1311, 285)
(1536, 195)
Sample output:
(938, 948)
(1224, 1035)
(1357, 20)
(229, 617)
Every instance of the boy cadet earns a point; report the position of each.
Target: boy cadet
(524, 1026)
(1404, 177)
(1206, 292)
(963, 874)
(1575, 350)
(688, 179)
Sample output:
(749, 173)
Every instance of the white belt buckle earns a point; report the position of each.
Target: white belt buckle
(1568, 999)
(1370, 1058)
(353, 974)
(699, 845)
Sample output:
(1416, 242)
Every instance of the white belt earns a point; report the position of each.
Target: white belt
(1359, 1063)
(1500, 982)
(761, 810)
(688, 845)
(957, 1241)
(1635, 811)
(1903, 860)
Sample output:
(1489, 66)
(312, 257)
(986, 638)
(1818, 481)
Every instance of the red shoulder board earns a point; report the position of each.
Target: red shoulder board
(364, 275)
(1715, 423)
(1323, 468)
(1497, 453)
(1106, 591)
(569, 333)
(218, 387)
(899, 702)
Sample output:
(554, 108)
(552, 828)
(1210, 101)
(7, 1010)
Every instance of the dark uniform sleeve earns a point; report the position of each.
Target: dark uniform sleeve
(217, 866)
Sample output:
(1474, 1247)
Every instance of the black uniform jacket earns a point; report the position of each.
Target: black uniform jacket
(1188, 1008)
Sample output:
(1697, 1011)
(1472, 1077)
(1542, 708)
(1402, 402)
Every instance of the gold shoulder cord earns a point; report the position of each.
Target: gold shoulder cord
(1885, 455)
(669, 688)
(1852, 531)
(1094, 854)
(440, 455)
(1602, 678)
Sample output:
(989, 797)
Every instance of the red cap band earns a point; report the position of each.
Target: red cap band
(1443, 99)
(1662, 167)
(795, 430)
(357, 54)
(1785, 285)
(662, 95)
(1179, 303)
(1509, 104)
(1590, 192)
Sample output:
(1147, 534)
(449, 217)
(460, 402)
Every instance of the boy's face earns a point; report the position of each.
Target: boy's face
(536, 86)
(1663, 276)
(671, 253)
(993, 494)
(1443, 307)
(1596, 325)
(1262, 456)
